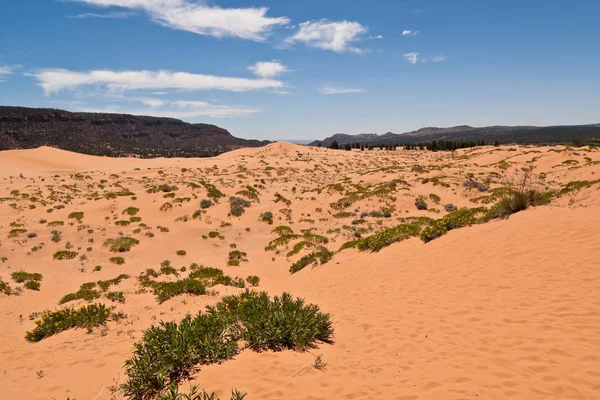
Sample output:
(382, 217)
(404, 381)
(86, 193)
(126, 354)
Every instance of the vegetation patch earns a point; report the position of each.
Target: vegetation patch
(121, 244)
(65, 255)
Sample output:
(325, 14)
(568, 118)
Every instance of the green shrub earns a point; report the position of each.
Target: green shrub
(253, 280)
(322, 256)
(181, 252)
(131, 211)
(117, 260)
(388, 236)
(123, 223)
(78, 215)
(121, 244)
(115, 296)
(84, 293)
(16, 232)
(5, 288)
(65, 255)
(420, 203)
(55, 223)
(32, 285)
(436, 199)
(170, 352)
(456, 219)
(204, 204)
(194, 394)
(166, 290)
(267, 217)
(22, 276)
(53, 322)
(238, 206)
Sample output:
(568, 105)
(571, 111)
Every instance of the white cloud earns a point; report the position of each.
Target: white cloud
(6, 70)
(329, 90)
(55, 80)
(327, 35)
(110, 15)
(411, 57)
(414, 58)
(268, 69)
(376, 37)
(150, 102)
(183, 110)
(408, 32)
(246, 23)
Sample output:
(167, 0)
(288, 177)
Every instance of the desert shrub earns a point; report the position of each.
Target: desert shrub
(456, 219)
(115, 297)
(420, 203)
(233, 263)
(22, 276)
(472, 184)
(166, 290)
(53, 322)
(195, 394)
(131, 211)
(181, 252)
(32, 285)
(31, 235)
(238, 206)
(16, 232)
(56, 236)
(5, 288)
(435, 198)
(253, 280)
(78, 215)
(518, 201)
(105, 285)
(117, 260)
(65, 255)
(85, 292)
(55, 223)
(213, 234)
(322, 256)
(123, 223)
(121, 244)
(171, 352)
(267, 217)
(450, 207)
(204, 204)
(388, 236)
(135, 219)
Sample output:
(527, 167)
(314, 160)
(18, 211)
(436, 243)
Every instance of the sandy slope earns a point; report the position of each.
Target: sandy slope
(509, 309)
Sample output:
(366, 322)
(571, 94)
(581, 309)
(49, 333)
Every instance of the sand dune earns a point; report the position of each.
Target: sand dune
(505, 309)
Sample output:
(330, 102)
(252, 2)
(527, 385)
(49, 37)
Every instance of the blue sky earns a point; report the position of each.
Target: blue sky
(305, 70)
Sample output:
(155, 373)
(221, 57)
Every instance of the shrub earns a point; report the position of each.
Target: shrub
(170, 352)
(78, 215)
(121, 244)
(181, 252)
(22, 276)
(55, 223)
(456, 219)
(115, 296)
(32, 285)
(16, 232)
(204, 204)
(323, 256)
(56, 236)
(65, 255)
(253, 280)
(123, 223)
(267, 217)
(53, 322)
(435, 198)
(131, 211)
(84, 293)
(450, 207)
(195, 394)
(238, 206)
(5, 288)
(166, 290)
(420, 203)
(388, 236)
(117, 260)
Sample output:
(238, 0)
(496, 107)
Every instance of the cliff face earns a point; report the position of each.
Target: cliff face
(113, 134)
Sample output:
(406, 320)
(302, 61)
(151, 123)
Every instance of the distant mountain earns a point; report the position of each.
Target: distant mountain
(465, 133)
(115, 135)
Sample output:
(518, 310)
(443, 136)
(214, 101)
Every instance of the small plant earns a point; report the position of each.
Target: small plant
(121, 244)
(65, 255)
(181, 252)
(253, 280)
(117, 260)
(238, 206)
(78, 215)
(420, 203)
(319, 363)
(22, 276)
(53, 322)
(267, 217)
(204, 204)
(131, 211)
(32, 285)
(5, 288)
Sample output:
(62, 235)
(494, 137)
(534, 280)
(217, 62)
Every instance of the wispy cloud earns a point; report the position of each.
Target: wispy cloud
(328, 35)
(55, 80)
(414, 58)
(330, 90)
(268, 69)
(376, 37)
(110, 15)
(197, 17)
(6, 70)
(408, 32)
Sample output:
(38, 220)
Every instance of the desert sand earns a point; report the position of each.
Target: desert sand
(505, 309)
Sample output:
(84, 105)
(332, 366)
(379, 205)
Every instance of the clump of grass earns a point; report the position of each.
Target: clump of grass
(33, 285)
(115, 297)
(420, 203)
(123, 223)
(204, 204)
(267, 217)
(322, 255)
(22, 276)
(16, 232)
(55, 223)
(84, 293)
(280, 198)
(166, 290)
(170, 352)
(65, 255)
(56, 236)
(53, 322)
(386, 237)
(117, 260)
(5, 288)
(181, 252)
(253, 280)
(454, 220)
(195, 394)
(121, 244)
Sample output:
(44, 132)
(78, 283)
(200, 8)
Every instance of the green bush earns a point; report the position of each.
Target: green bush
(388, 236)
(32, 285)
(53, 322)
(84, 293)
(166, 290)
(267, 217)
(181, 252)
(170, 352)
(253, 280)
(195, 394)
(456, 219)
(420, 203)
(78, 215)
(322, 255)
(238, 206)
(204, 204)
(22, 276)
(131, 211)
(117, 260)
(65, 255)
(5, 288)
(121, 244)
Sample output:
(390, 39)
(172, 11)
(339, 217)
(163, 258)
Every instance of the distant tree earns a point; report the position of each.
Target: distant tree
(348, 147)
(335, 145)
(320, 144)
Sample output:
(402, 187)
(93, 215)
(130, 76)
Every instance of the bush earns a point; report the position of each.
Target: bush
(420, 203)
(5, 288)
(238, 206)
(253, 280)
(22, 276)
(84, 293)
(65, 255)
(78, 215)
(33, 285)
(387, 236)
(170, 352)
(166, 290)
(121, 244)
(195, 394)
(204, 204)
(181, 252)
(456, 219)
(323, 256)
(131, 211)
(51, 323)
(450, 207)
(117, 260)
(267, 217)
